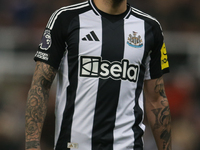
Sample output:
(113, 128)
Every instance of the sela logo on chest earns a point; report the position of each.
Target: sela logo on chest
(91, 66)
(134, 40)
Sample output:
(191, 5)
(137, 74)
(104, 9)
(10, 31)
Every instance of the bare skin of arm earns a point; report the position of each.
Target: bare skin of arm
(36, 107)
(158, 112)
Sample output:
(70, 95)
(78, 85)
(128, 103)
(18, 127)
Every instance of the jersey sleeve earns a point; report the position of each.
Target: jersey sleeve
(52, 46)
(157, 61)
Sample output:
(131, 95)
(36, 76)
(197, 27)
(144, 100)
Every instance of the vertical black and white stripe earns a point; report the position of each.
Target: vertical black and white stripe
(95, 113)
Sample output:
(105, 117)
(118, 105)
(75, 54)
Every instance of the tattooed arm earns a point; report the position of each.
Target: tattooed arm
(158, 112)
(37, 104)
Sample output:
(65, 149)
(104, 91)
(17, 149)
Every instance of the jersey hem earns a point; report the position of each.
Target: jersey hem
(41, 60)
(164, 71)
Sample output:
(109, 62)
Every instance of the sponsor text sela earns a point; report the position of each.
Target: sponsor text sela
(91, 66)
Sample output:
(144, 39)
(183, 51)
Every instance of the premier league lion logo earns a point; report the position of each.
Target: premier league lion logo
(46, 40)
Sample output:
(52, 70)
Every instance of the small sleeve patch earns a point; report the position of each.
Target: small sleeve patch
(72, 145)
(46, 40)
(41, 55)
(164, 58)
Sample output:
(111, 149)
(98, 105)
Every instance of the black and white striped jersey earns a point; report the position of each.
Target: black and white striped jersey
(102, 61)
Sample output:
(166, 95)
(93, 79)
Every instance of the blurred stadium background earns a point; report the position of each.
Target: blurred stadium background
(21, 26)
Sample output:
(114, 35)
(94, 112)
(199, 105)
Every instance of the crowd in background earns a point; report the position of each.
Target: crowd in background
(182, 87)
(176, 15)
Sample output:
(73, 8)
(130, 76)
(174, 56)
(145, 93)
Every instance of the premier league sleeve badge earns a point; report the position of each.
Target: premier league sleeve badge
(46, 40)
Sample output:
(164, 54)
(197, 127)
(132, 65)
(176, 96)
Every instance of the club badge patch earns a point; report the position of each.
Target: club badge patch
(134, 40)
(46, 40)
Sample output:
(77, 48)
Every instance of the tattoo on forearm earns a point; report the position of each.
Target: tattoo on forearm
(166, 136)
(163, 117)
(37, 103)
(156, 113)
(33, 144)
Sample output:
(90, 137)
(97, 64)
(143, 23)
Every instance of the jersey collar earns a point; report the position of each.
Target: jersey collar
(98, 12)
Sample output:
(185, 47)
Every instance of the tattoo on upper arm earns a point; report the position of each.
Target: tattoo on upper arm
(162, 116)
(37, 103)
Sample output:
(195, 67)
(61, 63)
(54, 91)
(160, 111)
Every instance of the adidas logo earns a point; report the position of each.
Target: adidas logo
(91, 37)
